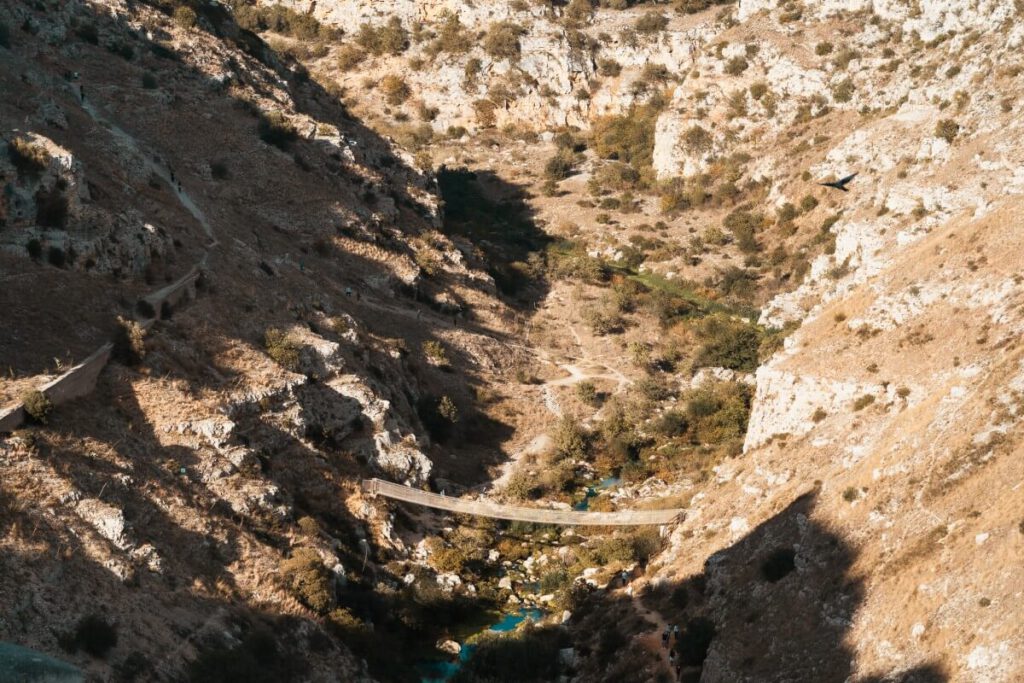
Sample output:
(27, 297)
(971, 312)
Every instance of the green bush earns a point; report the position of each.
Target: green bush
(726, 343)
(587, 393)
(36, 405)
(843, 91)
(695, 6)
(283, 350)
(447, 409)
(149, 81)
(560, 166)
(349, 56)
(697, 139)
(786, 213)
(758, 90)
(280, 19)
(390, 38)
(5, 36)
(823, 48)
(736, 66)
(395, 89)
(608, 68)
(947, 129)
(717, 412)
(651, 22)
(808, 203)
(744, 225)
(672, 423)
(521, 486)
(309, 527)
(452, 36)
(863, 401)
(306, 576)
(435, 351)
(275, 129)
(570, 441)
(129, 341)
(502, 40)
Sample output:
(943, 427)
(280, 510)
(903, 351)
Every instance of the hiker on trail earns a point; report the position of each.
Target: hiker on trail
(348, 291)
(81, 93)
(664, 638)
(672, 656)
(675, 630)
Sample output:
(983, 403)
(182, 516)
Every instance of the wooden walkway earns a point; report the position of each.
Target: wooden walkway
(482, 508)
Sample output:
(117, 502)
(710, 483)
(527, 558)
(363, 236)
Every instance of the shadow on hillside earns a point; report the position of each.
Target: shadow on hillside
(493, 214)
(212, 638)
(774, 606)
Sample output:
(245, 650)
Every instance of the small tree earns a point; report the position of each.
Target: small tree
(129, 341)
(736, 66)
(395, 89)
(37, 406)
(586, 392)
(305, 574)
(435, 352)
(502, 40)
(284, 351)
(947, 129)
(447, 409)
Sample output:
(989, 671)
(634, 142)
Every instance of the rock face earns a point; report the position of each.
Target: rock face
(553, 81)
(51, 215)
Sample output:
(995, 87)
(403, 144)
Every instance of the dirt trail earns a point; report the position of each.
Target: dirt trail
(153, 166)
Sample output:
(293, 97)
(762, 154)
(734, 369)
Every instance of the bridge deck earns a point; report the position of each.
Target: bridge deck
(482, 508)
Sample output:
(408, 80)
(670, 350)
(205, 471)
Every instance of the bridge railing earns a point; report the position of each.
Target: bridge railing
(483, 508)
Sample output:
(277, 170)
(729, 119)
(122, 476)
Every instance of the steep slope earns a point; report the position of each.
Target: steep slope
(140, 149)
(583, 241)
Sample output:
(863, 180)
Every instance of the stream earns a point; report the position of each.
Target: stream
(441, 671)
(606, 483)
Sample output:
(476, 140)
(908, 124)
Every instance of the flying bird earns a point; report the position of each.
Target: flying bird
(841, 183)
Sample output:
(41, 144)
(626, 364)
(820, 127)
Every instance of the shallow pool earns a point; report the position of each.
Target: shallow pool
(441, 671)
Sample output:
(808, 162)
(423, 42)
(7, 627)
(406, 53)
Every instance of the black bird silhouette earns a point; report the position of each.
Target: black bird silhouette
(841, 183)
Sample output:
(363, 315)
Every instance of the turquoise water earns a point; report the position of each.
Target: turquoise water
(439, 672)
(605, 483)
(510, 621)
